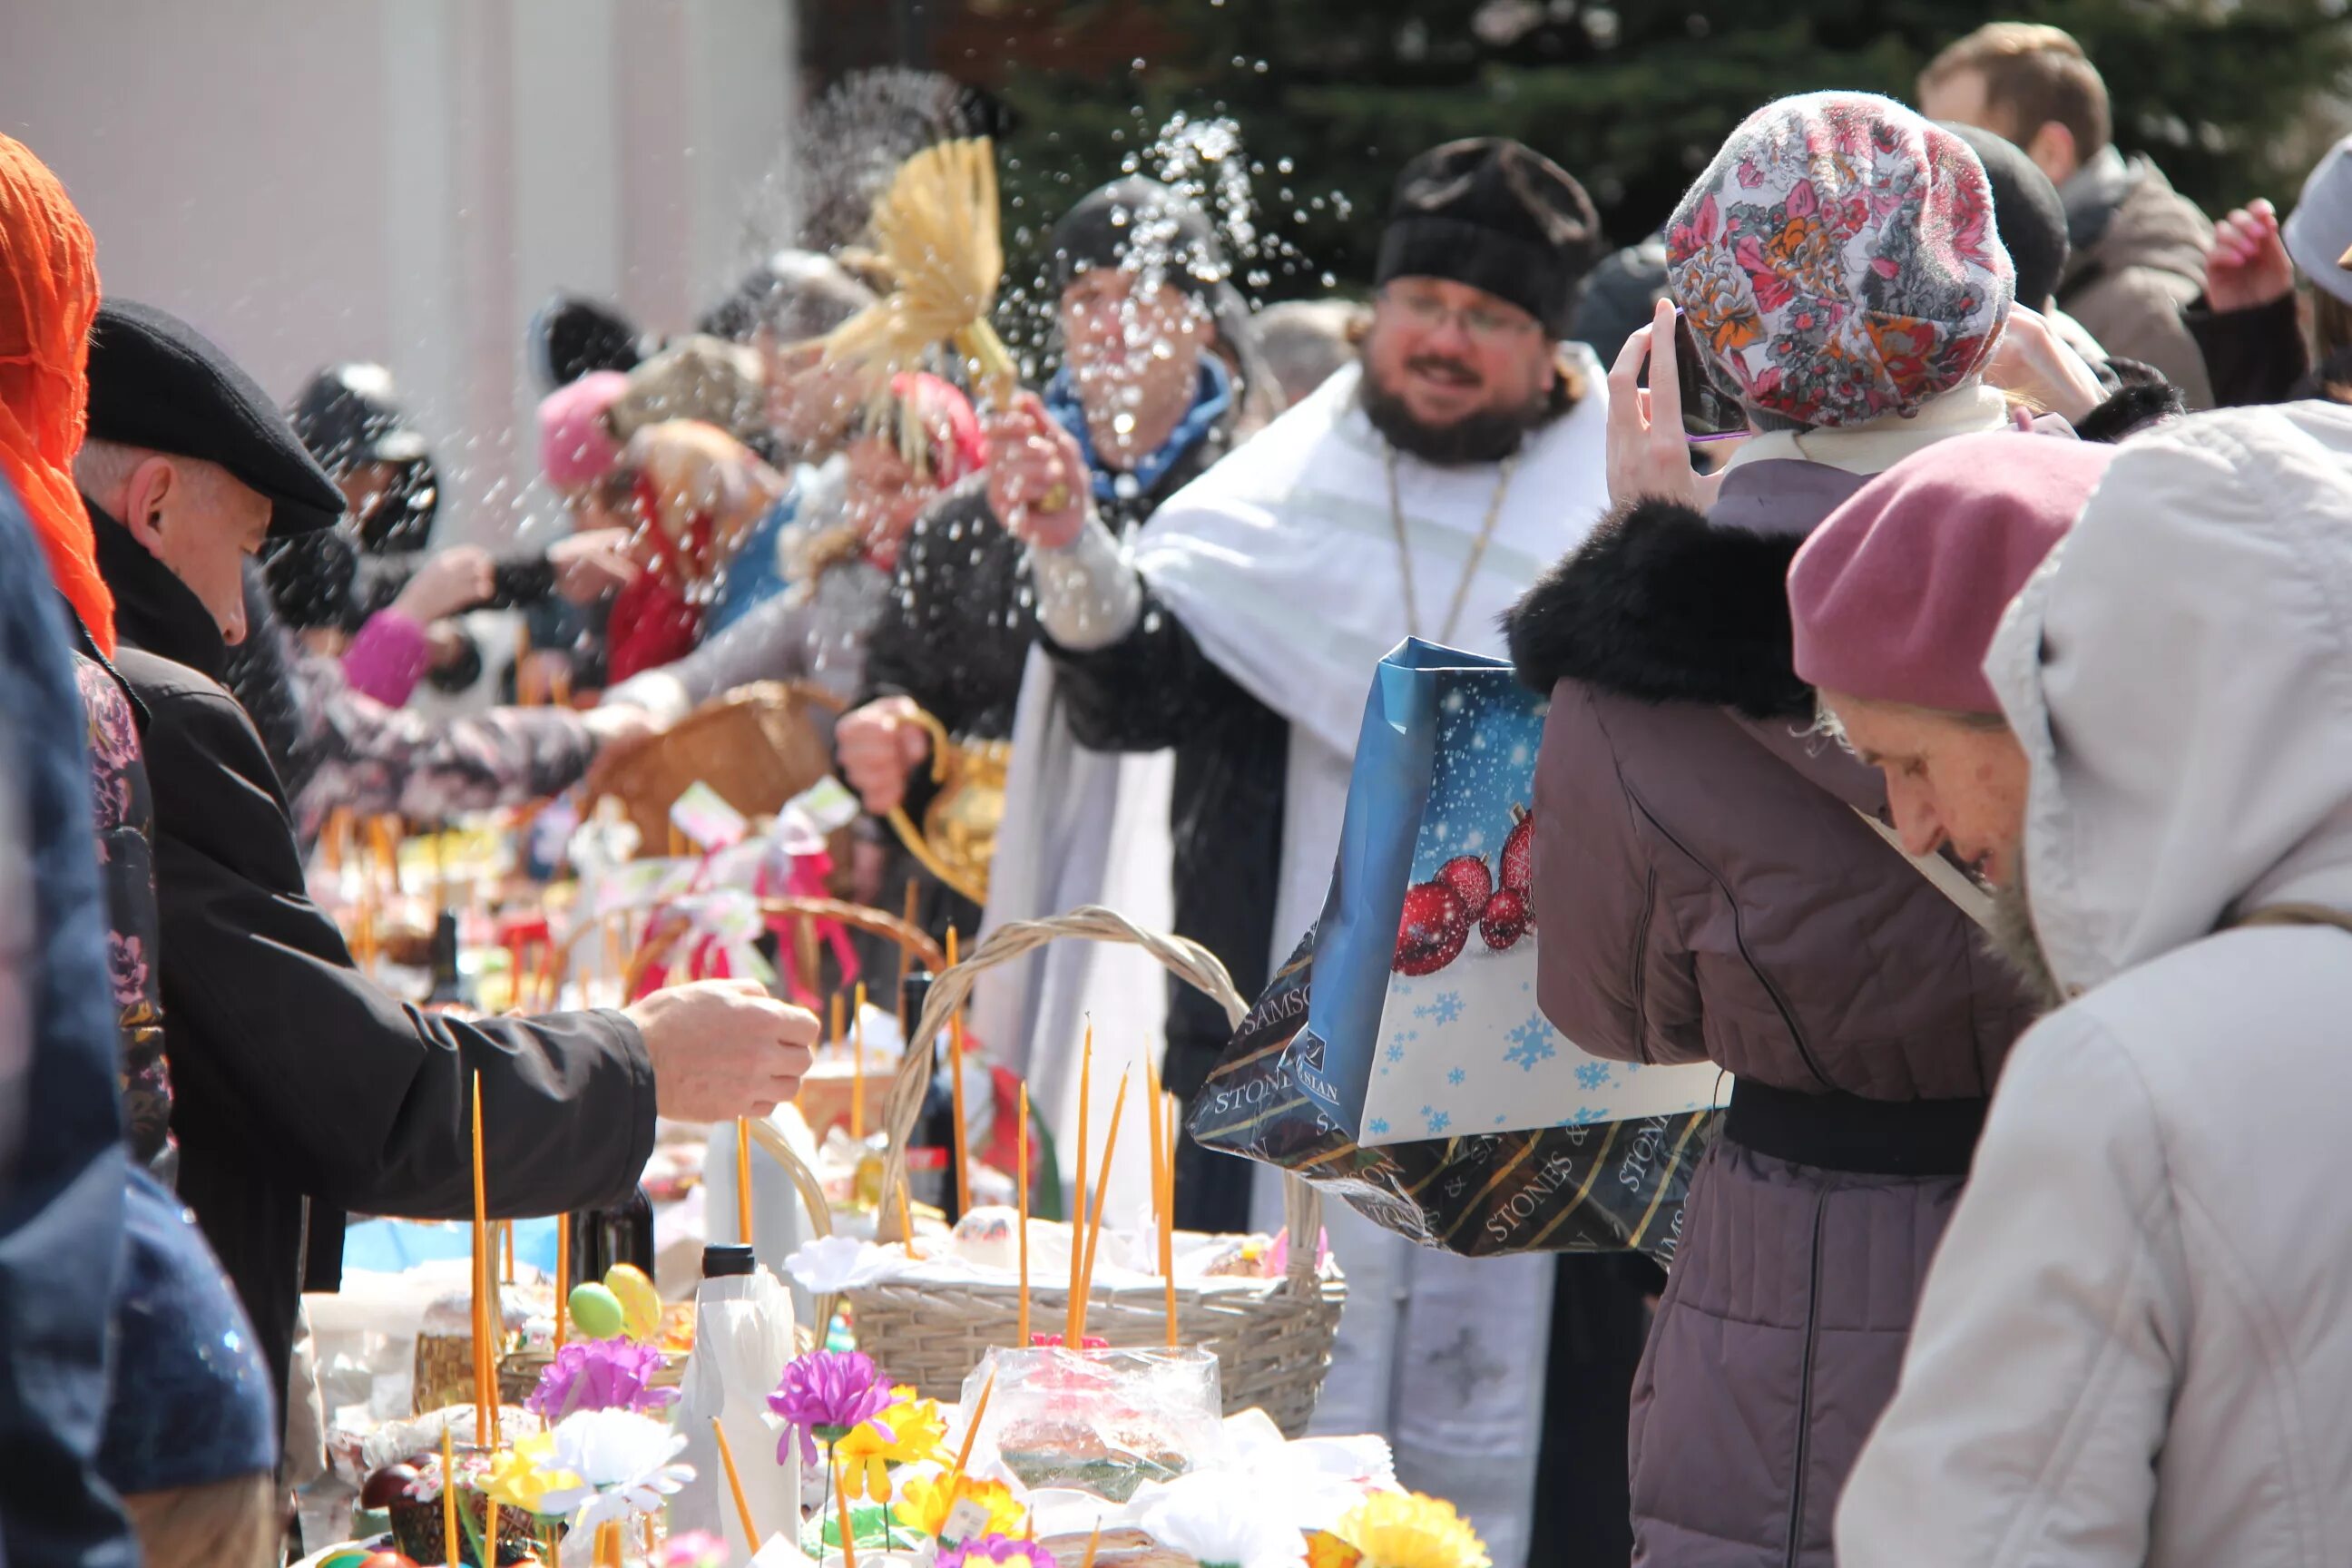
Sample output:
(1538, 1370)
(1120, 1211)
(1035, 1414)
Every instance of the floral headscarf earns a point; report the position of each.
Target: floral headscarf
(48, 294)
(1837, 262)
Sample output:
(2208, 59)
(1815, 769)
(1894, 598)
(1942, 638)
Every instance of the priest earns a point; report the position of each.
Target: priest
(1415, 494)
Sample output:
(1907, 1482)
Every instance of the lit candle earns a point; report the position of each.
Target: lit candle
(1022, 1179)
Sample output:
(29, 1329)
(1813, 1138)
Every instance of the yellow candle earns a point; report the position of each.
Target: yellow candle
(449, 1536)
(1094, 1223)
(849, 1534)
(857, 1069)
(743, 1180)
(971, 1433)
(562, 1276)
(955, 1066)
(735, 1485)
(1094, 1544)
(1078, 1196)
(484, 1385)
(1167, 1227)
(1022, 1179)
(906, 1218)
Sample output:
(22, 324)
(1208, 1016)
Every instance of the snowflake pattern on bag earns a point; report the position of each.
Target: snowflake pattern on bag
(1837, 262)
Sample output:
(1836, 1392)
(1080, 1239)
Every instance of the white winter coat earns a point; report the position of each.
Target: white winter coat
(2136, 1342)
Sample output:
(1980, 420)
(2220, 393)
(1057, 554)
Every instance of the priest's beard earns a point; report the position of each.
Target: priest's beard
(2010, 931)
(1488, 437)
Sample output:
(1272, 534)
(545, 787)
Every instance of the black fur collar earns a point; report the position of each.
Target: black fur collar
(1662, 604)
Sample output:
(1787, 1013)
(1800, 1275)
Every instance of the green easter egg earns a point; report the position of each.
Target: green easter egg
(596, 1311)
(345, 1560)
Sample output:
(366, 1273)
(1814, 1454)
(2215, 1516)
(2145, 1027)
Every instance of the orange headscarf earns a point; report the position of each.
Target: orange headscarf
(48, 293)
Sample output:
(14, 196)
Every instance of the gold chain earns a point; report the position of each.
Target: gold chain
(1469, 570)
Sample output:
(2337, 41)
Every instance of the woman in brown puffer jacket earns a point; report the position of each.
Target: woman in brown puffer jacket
(1706, 885)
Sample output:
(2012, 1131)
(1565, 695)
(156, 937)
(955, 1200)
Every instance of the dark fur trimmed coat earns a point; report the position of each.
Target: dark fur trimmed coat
(1707, 893)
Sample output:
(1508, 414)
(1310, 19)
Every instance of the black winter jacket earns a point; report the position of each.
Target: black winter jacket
(300, 1088)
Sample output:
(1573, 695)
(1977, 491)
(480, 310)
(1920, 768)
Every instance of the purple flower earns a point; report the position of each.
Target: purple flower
(601, 1374)
(825, 1395)
(996, 1549)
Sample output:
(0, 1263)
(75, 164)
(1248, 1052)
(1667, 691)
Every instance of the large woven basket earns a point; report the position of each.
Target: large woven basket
(758, 746)
(1272, 1338)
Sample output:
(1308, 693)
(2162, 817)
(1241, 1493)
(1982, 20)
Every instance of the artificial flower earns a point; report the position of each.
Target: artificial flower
(911, 1431)
(1225, 1520)
(696, 1549)
(1395, 1530)
(1325, 1550)
(926, 1502)
(623, 1461)
(524, 1475)
(825, 1395)
(996, 1549)
(601, 1374)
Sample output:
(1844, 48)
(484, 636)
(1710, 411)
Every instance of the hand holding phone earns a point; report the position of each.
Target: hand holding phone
(1647, 445)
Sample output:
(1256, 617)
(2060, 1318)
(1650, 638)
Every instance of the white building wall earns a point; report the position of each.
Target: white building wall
(407, 180)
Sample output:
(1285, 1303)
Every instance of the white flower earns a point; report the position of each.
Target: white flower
(1224, 1520)
(623, 1461)
(833, 1264)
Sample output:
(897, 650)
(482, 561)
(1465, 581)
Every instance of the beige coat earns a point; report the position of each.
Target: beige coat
(2136, 1342)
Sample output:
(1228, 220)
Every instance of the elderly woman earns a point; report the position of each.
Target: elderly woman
(1711, 883)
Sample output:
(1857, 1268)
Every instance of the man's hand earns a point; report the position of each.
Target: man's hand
(722, 1048)
(879, 744)
(449, 582)
(2248, 265)
(1037, 479)
(589, 565)
(2033, 360)
(1647, 456)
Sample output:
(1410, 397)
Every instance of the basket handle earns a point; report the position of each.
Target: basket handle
(1180, 956)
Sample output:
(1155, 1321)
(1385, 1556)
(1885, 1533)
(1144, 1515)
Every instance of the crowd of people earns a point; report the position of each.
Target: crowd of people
(1939, 598)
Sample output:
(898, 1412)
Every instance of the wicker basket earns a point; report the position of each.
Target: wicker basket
(758, 746)
(1273, 1339)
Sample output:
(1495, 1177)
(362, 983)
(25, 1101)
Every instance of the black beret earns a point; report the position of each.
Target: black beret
(1498, 216)
(2026, 213)
(349, 414)
(1142, 226)
(155, 382)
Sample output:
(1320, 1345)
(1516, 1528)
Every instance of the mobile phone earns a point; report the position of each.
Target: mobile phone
(1709, 414)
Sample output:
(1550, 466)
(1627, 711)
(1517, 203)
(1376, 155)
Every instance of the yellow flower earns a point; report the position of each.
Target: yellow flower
(1393, 1531)
(927, 1501)
(1325, 1550)
(918, 1433)
(524, 1476)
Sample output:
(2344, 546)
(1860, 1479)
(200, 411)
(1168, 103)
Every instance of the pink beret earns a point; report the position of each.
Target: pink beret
(575, 444)
(1895, 597)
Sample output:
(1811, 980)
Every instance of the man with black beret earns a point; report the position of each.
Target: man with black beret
(302, 1089)
(1415, 494)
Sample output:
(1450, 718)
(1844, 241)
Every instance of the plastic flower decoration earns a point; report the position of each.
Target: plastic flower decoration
(601, 1374)
(623, 1461)
(1325, 1550)
(1393, 1529)
(1224, 1520)
(911, 1432)
(524, 1476)
(827, 1394)
(983, 1550)
(926, 1501)
(696, 1549)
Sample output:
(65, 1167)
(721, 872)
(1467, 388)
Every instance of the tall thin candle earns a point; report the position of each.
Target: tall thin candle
(955, 1066)
(1163, 1208)
(906, 1218)
(857, 1067)
(449, 1536)
(1020, 1178)
(484, 1385)
(1094, 1221)
(743, 1180)
(735, 1485)
(907, 956)
(972, 1432)
(848, 1532)
(1168, 1225)
(562, 1278)
(1078, 1197)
